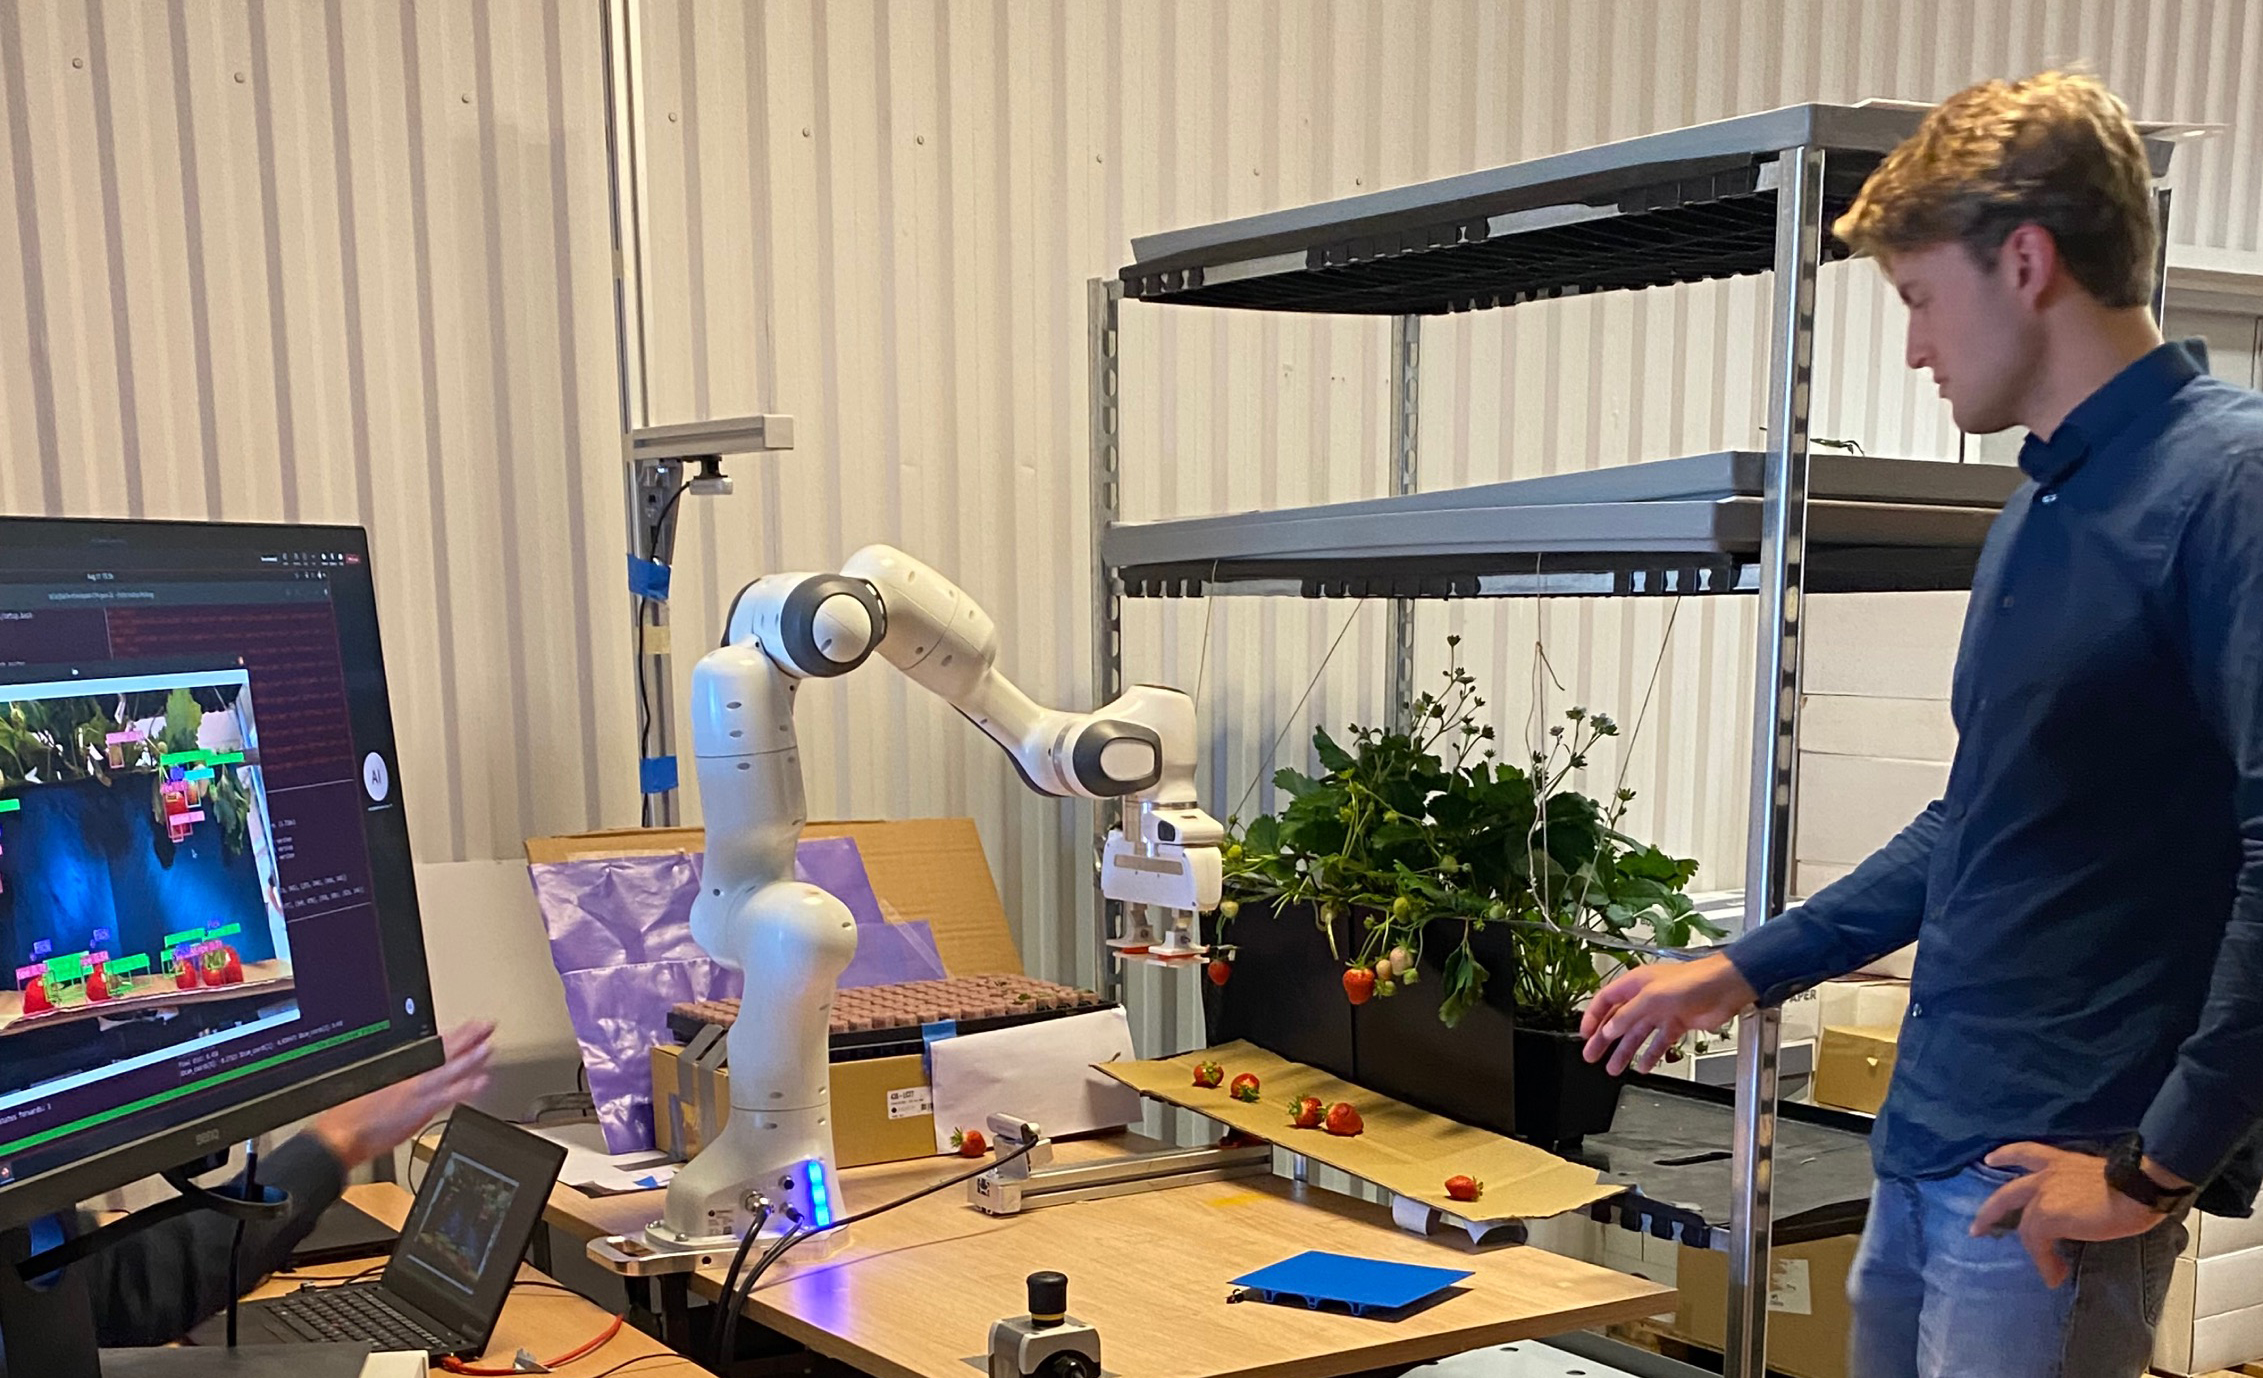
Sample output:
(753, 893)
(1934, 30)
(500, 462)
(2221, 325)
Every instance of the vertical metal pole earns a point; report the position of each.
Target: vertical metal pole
(1103, 300)
(1775, 737)
(2161, 255)
(648, 532)
(1406, 449)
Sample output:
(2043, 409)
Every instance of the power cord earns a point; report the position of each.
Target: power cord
(604, 1337)
(643, 695)
(236, 1245)
(737, 1301)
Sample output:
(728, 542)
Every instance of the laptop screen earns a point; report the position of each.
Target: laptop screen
(475, 1211)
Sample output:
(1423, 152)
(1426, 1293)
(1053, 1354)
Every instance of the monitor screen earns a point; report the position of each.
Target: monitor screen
(206, 902)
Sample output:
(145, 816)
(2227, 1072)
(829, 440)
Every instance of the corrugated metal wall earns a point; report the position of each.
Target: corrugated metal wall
(349, 261)
(879, 216)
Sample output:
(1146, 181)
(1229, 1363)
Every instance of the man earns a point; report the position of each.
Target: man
(156, 1286)
(2084, 1043)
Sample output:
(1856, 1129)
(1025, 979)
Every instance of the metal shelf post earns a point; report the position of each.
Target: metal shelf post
(1775, 735)
(1406, 452)
(1103, 299)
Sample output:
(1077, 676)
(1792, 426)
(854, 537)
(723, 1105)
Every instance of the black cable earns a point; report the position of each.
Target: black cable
(801, 1232)
(643, 695)
(738, 1261)
(639, 1359)
(414, 1185)
(236, 1245)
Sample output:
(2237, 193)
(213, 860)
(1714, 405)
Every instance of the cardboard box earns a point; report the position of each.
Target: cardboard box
(1807, 1304)
(1850, 806)
(1856, 1066)
(882, 1110)
(2212, 1235)
(1867, 1002)
(2214, 1314)
(1882, 645)
(921, 868)
(930, 869)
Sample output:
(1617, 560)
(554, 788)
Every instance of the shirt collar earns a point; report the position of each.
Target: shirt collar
(2104, 414)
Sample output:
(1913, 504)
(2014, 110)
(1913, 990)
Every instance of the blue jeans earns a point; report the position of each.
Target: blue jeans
(1930, 1301)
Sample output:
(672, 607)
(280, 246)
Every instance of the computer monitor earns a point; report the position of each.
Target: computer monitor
(208, 923)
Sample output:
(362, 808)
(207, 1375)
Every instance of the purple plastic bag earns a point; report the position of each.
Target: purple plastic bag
(620, 936)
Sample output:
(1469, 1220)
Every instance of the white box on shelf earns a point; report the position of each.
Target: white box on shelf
(2213, 1318)
(2213, 1235)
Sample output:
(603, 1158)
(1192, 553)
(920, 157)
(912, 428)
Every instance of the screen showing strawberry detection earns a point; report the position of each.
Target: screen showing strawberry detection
(205, 891)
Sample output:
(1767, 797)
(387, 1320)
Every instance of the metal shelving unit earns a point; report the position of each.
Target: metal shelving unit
(1739, 196)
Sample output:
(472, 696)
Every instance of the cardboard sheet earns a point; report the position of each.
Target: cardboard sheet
(1041, 1072)
(1409, 1151)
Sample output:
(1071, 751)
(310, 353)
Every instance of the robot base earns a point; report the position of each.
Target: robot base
(659, 1251)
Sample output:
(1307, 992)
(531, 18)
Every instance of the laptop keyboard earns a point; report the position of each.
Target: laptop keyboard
(357, 1312)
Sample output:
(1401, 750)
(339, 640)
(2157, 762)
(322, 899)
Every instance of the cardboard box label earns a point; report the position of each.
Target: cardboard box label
(910, 1102)
(1789, 1291)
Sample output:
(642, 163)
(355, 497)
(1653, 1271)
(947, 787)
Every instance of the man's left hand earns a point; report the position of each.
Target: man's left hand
(2064, 1196)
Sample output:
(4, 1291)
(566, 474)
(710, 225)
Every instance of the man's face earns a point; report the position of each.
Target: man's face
(1971, 329)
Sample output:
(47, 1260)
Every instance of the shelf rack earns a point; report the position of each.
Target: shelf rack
(1739, 196)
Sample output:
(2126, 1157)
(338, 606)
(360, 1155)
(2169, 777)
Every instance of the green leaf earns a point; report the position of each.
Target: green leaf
(1333, 757)
(1294, 783)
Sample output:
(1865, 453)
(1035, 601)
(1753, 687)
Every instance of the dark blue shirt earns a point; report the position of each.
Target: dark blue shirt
(2087, 895)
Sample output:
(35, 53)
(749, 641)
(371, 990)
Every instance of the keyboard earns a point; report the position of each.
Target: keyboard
(357, 1312)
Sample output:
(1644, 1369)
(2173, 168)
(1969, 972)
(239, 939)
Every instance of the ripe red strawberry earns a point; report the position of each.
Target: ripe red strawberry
(969, 1143)
(1305, 1112)
(1209, 1075)
(1343, 1120)
(1244, 1088)
(1221, 971)
(35, 996)
(1359, 985)
(1464, 1188)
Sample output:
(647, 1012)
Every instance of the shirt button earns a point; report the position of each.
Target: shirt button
(1916, 1011)
(2006, 603)
(2049, 498)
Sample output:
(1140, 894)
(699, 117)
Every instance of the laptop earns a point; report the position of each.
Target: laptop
(453, 1266)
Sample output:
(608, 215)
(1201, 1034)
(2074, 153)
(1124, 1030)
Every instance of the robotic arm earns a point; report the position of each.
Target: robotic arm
(752, 915)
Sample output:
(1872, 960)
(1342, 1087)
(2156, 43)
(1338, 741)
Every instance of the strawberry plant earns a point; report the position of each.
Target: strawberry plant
(1424, 836)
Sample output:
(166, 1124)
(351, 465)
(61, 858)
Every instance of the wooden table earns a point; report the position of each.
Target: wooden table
(913, 1292)
(545, 1321)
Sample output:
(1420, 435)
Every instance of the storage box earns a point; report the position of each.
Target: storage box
(882, 1109)
(2212, 1235)
(1807, 1304)
(2214, 1315)
(1864, 1003)
(1855, 1067)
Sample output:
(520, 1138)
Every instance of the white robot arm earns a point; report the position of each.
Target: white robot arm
(752, 915)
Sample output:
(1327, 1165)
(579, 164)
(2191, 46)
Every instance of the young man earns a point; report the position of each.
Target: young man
(2084, 1043)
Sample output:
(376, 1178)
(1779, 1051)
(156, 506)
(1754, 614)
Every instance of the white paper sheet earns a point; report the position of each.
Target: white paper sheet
(590, 1169)
(1041, 1072)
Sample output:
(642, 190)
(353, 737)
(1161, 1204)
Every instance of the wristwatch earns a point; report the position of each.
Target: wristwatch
(2125, 1173)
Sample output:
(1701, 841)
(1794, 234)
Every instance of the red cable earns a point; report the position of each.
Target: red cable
(455, 1365)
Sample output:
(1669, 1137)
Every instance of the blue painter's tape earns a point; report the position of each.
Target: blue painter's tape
(648, 579)
(656, 774)
(929, 1036)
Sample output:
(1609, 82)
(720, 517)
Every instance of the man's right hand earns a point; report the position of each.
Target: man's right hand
(1642, 1013)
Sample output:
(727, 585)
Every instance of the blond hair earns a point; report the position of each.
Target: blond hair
(2056, 150)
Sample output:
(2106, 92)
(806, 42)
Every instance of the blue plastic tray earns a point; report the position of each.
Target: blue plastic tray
(1364, 1285)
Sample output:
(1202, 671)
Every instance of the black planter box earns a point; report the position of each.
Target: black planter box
(1561, 1096)
(1467, 1073)
(1287, 993)
(1287, 996)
